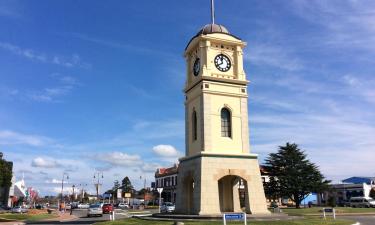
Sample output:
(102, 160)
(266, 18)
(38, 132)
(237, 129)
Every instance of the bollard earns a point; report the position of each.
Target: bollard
(113, 215)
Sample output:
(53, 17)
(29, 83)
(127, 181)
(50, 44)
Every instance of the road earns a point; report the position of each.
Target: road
(83, 219)
(362, 220)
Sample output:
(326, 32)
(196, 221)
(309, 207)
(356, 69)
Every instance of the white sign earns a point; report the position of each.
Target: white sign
(119, 193)
(329, 210)
(160, 190)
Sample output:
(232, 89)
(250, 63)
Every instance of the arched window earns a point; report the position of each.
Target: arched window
(194, 125)
(226, 123)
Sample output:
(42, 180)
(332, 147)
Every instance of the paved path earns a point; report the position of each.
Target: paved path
(362, 220)
(80, 217)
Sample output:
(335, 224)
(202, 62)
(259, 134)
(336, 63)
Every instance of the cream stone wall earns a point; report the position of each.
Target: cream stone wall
(207, 170)
(209, 173)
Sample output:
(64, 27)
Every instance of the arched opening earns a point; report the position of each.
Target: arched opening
(188, 187)
(233, 194)
(226, 123)
(194, 126)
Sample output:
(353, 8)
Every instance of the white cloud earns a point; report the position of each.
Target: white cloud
(55, 181)
(119, 159)
(8, 137)
(45, 163)
(150, 167)
(72, 61)
(276, 56)
(167, 151)
(350, 24)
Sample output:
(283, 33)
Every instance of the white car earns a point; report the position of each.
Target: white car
(123, 206)
(19, 209)
(362, 202)
(83, 206)
(95, 210)
(167, 207)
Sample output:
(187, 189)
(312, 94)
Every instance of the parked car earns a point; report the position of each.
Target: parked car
(362, 202)
(107, 208)
(68, 206)
(123, 206)
(95, 210)
(83, 206)
(167, 207)
(19, 209)
(4, 207)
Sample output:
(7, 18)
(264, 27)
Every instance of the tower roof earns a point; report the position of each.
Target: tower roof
(213, 28)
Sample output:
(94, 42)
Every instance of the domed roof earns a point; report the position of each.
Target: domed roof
(213, 28)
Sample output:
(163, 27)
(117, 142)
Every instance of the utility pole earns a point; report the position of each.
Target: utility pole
(74, 197)
(65, 175)
(144, 189)
(97, 176)
(83, 190)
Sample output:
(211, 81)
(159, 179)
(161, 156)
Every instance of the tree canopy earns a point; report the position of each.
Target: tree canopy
(292, 175)
(127, 186)
(5, 173)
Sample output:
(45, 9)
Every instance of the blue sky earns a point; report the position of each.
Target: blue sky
(94, 85)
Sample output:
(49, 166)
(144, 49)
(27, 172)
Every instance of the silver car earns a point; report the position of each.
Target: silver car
(18, 209)
(167, 207)
(95, 210)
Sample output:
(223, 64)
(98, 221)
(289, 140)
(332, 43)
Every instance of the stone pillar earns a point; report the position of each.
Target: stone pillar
(236, 195)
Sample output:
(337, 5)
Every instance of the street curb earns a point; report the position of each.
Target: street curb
(342, 214)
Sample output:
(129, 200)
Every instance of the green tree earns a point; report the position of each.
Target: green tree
(5, 179)
(293, 175)
(272, 188)
(5, 173)
(127, 186)
(116, 185)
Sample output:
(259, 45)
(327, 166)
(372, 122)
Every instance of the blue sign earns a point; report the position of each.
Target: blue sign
(107, 195)
(234, 216)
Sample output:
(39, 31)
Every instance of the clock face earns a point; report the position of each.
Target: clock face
(222, 62)
(196, 66)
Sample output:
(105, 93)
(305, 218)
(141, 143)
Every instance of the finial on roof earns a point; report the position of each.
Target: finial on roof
(212, 12)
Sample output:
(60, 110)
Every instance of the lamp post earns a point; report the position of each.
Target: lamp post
(83, 190)
(65, 175)
(144, 189)
(74, 197)
(97, 176)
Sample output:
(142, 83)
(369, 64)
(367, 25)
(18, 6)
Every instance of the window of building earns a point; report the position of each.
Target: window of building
(194, 125)
(226, 123)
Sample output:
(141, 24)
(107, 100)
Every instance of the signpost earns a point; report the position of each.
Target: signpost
(160, 190)
(329, 210)
(234, 216)
(119, 192)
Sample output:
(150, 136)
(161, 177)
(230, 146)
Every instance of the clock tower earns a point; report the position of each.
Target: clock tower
(218, 173)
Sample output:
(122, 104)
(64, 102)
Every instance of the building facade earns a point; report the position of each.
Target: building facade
(166, 178)
(350, 187)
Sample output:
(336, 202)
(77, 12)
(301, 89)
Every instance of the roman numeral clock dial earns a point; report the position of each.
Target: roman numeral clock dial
(222, 62)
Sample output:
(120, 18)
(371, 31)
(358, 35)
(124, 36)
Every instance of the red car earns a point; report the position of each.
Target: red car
(107, 208)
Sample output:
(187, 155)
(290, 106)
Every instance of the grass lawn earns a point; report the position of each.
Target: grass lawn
(317, 210)
(307, 221)
(28, 217)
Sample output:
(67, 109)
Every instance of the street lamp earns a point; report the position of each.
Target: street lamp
(65, 175)
(83, 190)
(74, 197)
(98, 175)
(144, 189)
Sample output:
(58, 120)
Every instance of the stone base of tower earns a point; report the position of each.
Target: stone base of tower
(209, 184)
